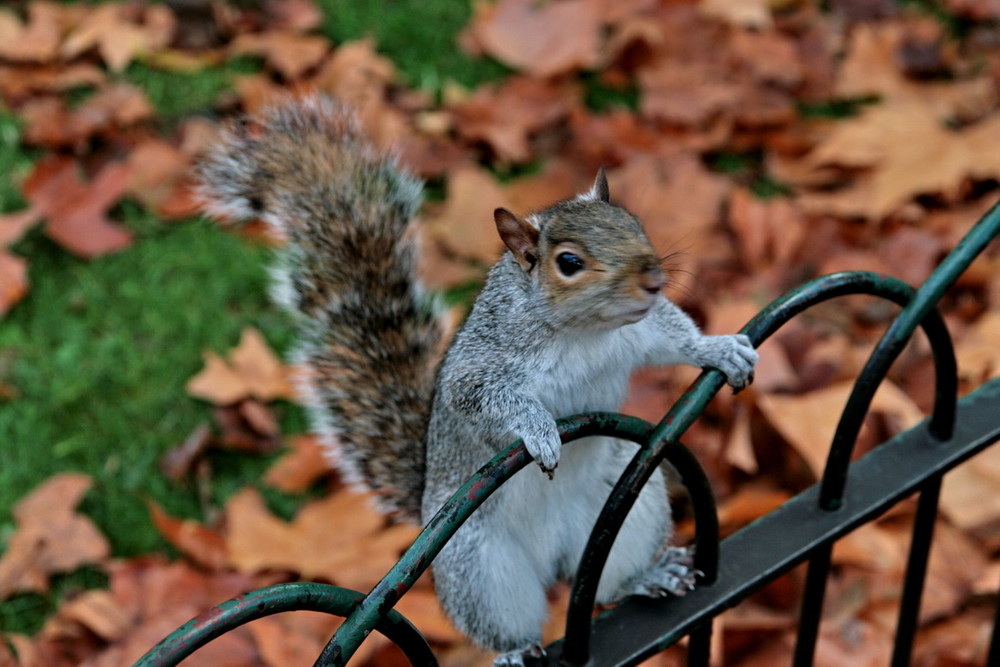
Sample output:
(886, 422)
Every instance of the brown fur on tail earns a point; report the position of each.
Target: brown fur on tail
(369, 340)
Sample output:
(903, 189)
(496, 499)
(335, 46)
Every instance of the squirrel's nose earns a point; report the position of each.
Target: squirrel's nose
(652, 281)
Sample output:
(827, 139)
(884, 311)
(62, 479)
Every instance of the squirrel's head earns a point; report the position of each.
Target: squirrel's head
(590, 259)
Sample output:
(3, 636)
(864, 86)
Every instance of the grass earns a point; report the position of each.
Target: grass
(99, 352)
(419, 36)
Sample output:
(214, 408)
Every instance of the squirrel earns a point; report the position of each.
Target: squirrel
(572, 307)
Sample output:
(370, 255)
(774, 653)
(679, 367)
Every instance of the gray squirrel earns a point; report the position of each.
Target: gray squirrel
(566, 314)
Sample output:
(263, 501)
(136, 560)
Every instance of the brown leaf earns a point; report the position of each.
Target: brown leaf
(749, 504)
(970, 494)
(34, 41)
(50, 537)
(977, 352)
(359, 76)
(980, 10)
(297, 470)
(217, 382)
(298, 15)
(179, 461)
(13, 280)
(542, 40)
(252, 370)
(808, 421)
(506, 116)
(769, 232)
(22, 82)
(262, 371)
(340, 538)
(75, 211)
(204, 546)
(159, 177)
(117, 37)
(909, 153)
(743, 13)
(99, 612)
(686, 93)
(466, 224)
(289, 53)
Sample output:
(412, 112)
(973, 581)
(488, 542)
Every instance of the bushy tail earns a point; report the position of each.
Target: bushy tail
(368, 340)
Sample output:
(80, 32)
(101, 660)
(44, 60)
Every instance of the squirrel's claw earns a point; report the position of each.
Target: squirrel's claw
(544, 444)
(734, 355)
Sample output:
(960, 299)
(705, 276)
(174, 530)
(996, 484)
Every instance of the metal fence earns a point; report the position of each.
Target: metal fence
(802, 530)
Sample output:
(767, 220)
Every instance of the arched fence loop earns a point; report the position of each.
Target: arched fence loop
(694, 401)
(803, 529)
(277, 599)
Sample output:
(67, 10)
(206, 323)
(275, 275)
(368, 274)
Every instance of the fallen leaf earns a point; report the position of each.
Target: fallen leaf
(160, 178)
(289, 53)
(75, 211)
(970, 494)
(465, 225)
(99, 612)
(298, 15)
(808, 421)
(252, 371)
(743, 13)
(265, 375)
(506, 116)
(13, 281)
(542, 40)
(109, 28)
(977, 352)
(217, 382)
(51, 538)
(909, 153)
(297, 470)
(201, 544)
(34, 41)
(340, 538)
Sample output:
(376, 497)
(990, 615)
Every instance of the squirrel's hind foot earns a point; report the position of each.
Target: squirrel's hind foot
(673, 573)
(517, 658)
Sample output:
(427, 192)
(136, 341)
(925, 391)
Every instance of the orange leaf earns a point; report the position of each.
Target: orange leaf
(217, 382)
(13, 280)
(50, 537)
(203, 545)
(296, 471)
(262, 371)
(543, 40)
(340, 538)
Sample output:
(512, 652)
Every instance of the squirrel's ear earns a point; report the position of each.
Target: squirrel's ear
(518, 235)
(600, 189)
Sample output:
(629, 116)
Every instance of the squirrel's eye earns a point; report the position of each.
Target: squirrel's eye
(568, 263)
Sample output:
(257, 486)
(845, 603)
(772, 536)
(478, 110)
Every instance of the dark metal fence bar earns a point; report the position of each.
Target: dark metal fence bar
(813, 595)
(916, 572)
(762, 551)
(994, 655)
(700, 646)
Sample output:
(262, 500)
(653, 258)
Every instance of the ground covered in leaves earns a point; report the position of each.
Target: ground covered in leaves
(154, 462)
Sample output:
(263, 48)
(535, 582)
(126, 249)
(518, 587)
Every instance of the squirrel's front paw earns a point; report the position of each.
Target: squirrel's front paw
(734, 355)
(543, 443)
